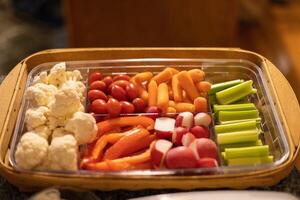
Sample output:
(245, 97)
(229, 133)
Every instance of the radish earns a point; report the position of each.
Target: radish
(185, 119)
(180, 157)
(202, 119)
(207, 163)
(204, 148)
(154, 110)
(178, 134)
(164, 127)
(158, 152)
(187, 139)
(200, 132)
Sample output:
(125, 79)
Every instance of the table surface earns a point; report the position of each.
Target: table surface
(291, 184)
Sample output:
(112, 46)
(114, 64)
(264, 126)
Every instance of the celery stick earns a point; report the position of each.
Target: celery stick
(241, 144)
(254, 151)
(212, 99)
(250, 160)
(221, 86)
(238, 115)
(243, 100)
(234, 107)
(258, 120)
(237, 137)
(241, 126)
(235, 93)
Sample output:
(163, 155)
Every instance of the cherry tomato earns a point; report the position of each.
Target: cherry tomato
(98, 85)
(96, 94)
(107, 80)
(132, 91)
(98, 106)
(121, 83)
(139, 105)
(113, 107)
(94, 76)
(118, 93)
(121, 77)
(126, 107)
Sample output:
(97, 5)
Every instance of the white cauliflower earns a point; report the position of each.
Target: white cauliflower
(63, 153)
(43, 131)
(57, 75)
(78, 86)
(84, 127)
(40, 78)
(59, 132)
(35, 117)
(73, 75)
(31, 151)
(41, 94)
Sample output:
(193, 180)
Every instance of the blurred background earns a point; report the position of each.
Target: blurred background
(268, 27)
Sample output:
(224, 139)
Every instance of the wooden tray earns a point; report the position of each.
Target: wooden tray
(13, 86)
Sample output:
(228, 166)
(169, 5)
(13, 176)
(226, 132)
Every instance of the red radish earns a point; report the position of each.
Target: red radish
(207, 163)
(187, 139)
(164, 127)
(180, 157)
(202, 119)
(204, 148)
(178, 134)
(154, 110)
(159, 151)
(186, 119)
(200, 132)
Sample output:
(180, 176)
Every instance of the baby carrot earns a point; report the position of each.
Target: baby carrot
(173, 70)
(197, 75)
(172, 104)
(171, 110)
(188, 85)
(200, 104)
(171, 95)
(144, 76)
(163, 97)
(152, 91)
(203, 86)
(163, 76)
(184, 107)
(177, 90)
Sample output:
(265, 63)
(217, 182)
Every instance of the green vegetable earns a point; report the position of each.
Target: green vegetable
(241, 144)
(225, 116)
(234, 107)
(258, 120)
(254, 151)
(221, 86)
(250, 160)
(235, 93)
(212, 99)
(240, 126)
(238, 137)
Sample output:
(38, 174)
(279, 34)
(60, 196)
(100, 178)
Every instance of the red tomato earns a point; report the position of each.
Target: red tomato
(113, 107)
(95, 76)
(126, 107)
(107, 80)
(139, 105)
(99, 106)
(118, 93)
(96, 94)
(98, 85)
(121, 83)
(132, 91)
(121, 77)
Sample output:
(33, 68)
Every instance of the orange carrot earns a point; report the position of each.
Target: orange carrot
(163, 97)
(163, 76)
(173, 70)
(188, 85)
(107, 125)
(197, 75)
(200, 104)
(144, 76)
(152, 91)
(177, 90)
(184, 107)
(203, 86)
(172, 103)
(171, 110)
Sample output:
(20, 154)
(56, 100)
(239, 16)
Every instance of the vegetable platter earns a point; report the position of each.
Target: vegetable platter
(136, 118)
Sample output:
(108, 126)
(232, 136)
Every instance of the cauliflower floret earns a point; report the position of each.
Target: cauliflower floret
(40, 78)
(57, 75)
(41, 94)
(43, 131)
(73, 75)
(63, 153)
(35, 117)
(78, 86)
(31, 150)
(59, 132)
(84, 127)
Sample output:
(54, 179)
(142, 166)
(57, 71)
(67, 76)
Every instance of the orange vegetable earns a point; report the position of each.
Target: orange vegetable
(184, 107)
(163, 97)
(152, 91)
(173, 70)
(107, 125)
(200, 104)
(138, 139)
(144, 76)
(177, 90)
(171, 96)
(163, 76)
(197, 75)
(203, 86)
(172, 103)
(171, 110)
(188, 85)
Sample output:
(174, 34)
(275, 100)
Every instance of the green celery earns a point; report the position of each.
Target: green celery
(224, 85)
(258, 120)
(254, 151)
(235, 93)
(241, 144)
(234, 107)
(212, 99)
(240, 126)
(250, 160)
(238, 137)
(238, 115)
(243, 100)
